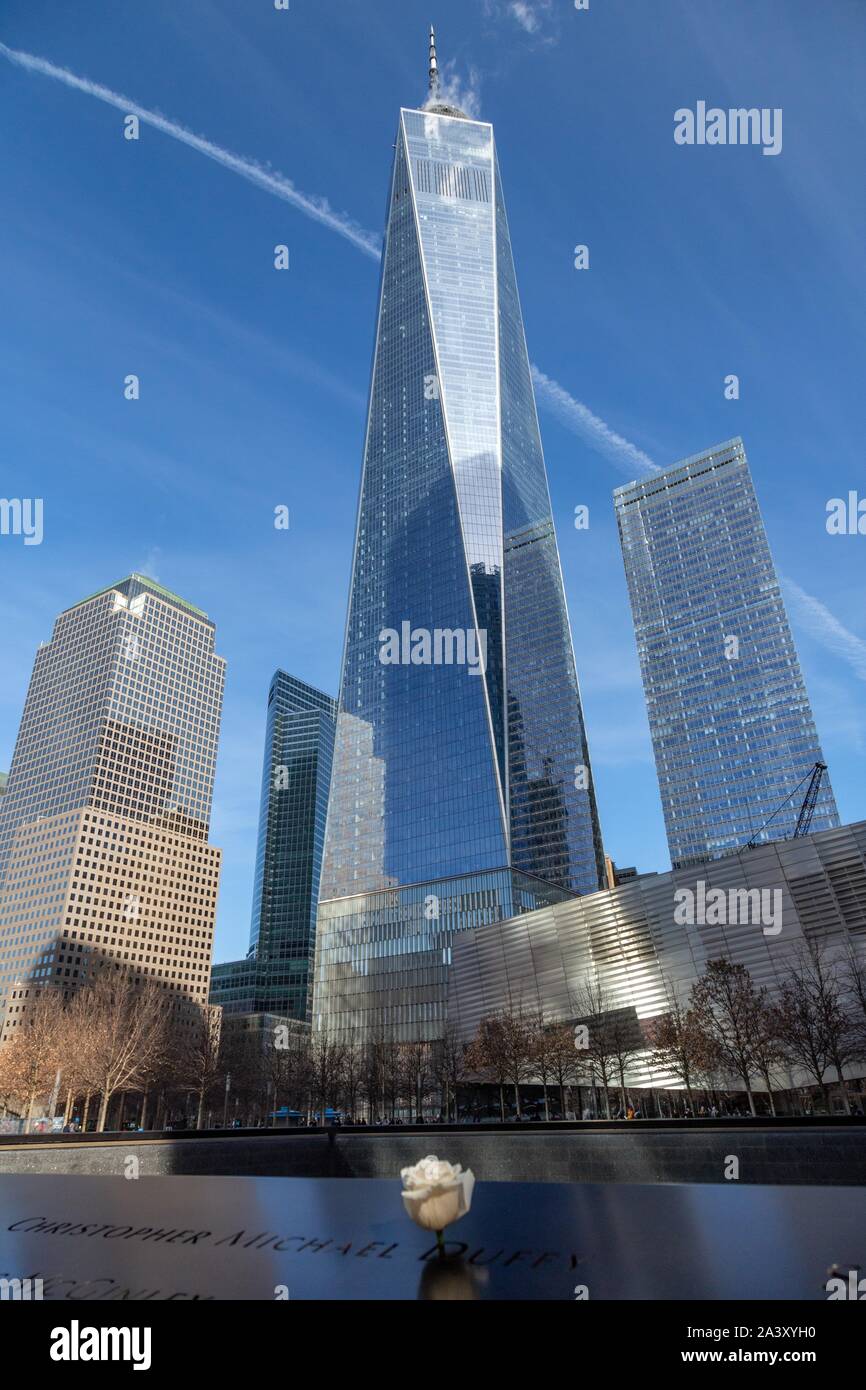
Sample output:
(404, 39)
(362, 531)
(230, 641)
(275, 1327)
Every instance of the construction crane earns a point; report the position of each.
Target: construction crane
(807, 810)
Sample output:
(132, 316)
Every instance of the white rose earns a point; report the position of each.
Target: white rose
(436, 1193)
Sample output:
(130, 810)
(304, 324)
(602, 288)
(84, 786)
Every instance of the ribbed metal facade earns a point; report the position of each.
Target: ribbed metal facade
(626, 940)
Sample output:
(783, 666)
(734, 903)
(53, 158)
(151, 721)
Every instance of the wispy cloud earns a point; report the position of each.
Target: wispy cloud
(150, 565)
(816, 619)
(531, 15)
(581, 421)
(527, 15)
(576, 416)
(319, 209)
(454, 91)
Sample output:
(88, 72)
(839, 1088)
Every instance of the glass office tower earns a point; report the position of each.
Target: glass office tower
(732, 728)
(462, 790)
(104, 853)
(296, 774)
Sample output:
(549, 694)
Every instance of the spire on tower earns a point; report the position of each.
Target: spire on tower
(434, 66)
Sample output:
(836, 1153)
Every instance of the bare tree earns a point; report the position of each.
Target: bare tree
(768, 1051)
(814, 1024)
(728, 1008)
(415, 1073)
(202, 1057)
(592, 1009)
(128, 1028)
(854, 977)
(543, 1055)
(625, 1044)
(563, 1059)
(449, 1069)
(678, 1045)
(9, 1080)
(34, 1054)
(353, 1075)
(487, 1055)
(326, 1066)
(517, 1044)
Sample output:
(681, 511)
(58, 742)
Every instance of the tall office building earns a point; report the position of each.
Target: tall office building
(732, 728)
(276, 977)
(104, 853)
(462, 789)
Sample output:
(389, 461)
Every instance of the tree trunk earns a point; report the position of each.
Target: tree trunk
(843, 1089)
(502, 1104)
(517, 1099)
(143, 1120)
(85, 1112)
(67, 1109)
(103, 1111)
(546, 1106)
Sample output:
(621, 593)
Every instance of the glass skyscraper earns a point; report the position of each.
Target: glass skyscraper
(462, 790)
(296, 773)
(731, 724)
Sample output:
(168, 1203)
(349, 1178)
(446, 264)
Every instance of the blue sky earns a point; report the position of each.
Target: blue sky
(155, 258)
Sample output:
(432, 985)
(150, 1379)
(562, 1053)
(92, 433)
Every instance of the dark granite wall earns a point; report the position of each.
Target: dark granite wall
(641, 1152)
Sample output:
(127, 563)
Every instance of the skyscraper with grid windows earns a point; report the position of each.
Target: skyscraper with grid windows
(732, 728)
(276, 977)
(104, 853)
(462, 790)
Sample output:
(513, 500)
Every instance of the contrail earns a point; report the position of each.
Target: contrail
(821, 624)
(576, 416)
(581, 420)
(272, 182)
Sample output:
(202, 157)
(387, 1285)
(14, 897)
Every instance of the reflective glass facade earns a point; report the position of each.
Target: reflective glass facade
(296, 776)
(446, 773)
(731, 724)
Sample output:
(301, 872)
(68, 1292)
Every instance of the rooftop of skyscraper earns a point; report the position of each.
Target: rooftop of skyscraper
(135, 584)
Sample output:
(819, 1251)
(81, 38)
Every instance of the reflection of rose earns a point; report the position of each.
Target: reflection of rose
(436, 1193)
(449, 1278)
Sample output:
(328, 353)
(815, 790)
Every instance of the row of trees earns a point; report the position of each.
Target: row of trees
(725, 1034)
(113, 1051)
(109, 1040)
(730, 1031)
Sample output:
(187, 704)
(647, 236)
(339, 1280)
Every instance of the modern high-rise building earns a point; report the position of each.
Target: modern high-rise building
(276, 977)
(462, 789)
(104, 853)
(731, 724)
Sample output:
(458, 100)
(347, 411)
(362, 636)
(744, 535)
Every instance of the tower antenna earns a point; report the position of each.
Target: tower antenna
(434, 66)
